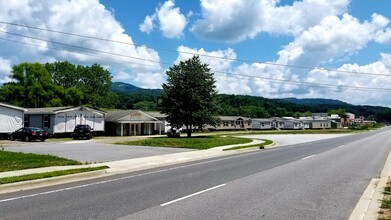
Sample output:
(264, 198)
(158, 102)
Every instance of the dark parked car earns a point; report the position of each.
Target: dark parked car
(174, 132)
(82, 131)
(29, 134)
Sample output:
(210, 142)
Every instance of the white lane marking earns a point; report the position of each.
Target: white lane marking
(341, 146)
(191, 195)
(305, 158)
(124, 178)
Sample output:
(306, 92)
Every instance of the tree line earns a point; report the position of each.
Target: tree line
(64, 84)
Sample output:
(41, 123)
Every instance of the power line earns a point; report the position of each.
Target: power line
(321, 85)
(190, 53)
(79, 47)
(79, 52)
(236, 75)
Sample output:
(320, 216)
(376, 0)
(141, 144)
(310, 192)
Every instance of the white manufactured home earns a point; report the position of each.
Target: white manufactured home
(11, 118)
(262, 123)
(58, 120)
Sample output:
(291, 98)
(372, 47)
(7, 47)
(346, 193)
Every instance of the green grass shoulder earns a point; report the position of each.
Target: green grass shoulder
(196, 142)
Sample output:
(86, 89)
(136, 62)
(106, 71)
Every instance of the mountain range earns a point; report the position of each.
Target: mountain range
(251, 106)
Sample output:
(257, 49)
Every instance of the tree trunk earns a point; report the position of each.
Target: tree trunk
(188, 131)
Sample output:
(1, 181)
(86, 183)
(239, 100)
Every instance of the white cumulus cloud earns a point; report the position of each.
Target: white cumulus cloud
(235, 20)
(147, 26)
(82, 17)
(171, 21)
(220, 60)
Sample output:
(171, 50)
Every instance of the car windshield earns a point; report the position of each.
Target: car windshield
(36, 129)
(82, 126)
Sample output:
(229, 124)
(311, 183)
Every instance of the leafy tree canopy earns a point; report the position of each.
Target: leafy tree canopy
(189, 97)
(58, 84)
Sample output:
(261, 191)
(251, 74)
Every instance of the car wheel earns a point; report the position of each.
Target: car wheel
(12, 138)
(27, 139)
(42, 140)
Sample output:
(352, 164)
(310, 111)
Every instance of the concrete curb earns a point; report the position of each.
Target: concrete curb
(368, 206)
(33, 184)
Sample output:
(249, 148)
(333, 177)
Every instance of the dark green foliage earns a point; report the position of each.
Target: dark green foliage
(32, 86)
(128, 100)
(121, 87)
(189, 97)
(58, 84)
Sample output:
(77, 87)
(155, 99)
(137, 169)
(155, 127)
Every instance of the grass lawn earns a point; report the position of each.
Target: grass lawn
(385, 207)
(35, 176)
(195, 142)
(10, 161)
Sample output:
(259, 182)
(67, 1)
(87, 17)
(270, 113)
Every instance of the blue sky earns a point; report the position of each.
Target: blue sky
(338, 49)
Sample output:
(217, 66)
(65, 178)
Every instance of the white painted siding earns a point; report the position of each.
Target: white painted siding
(66, 121)
(10, 119)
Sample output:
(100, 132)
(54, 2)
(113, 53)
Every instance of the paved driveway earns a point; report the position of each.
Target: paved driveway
(90, 151)
(95, 151)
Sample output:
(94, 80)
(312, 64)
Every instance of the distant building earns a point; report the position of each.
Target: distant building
(231, 123)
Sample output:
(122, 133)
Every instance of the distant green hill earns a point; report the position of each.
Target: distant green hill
(316, 101)
(121, 87)
(131, 97)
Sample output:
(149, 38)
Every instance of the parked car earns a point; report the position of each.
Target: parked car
(174, 132)
(29, 134)
(82, 131)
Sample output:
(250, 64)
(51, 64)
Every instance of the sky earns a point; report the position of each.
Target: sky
(338, 49)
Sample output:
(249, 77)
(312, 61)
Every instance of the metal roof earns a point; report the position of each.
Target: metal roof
(55, 110)
(12, 106)
(156, 114)
(232, 118)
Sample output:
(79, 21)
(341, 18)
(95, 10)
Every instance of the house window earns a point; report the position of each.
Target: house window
(46, 121)
(262, 124)
(249, 123)
(27, 121)
(225, 123)
(232, 123)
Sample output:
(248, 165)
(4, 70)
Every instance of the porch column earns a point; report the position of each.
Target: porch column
(122, 129)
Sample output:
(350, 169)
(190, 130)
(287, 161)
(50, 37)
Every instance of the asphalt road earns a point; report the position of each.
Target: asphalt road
(90, 151)
(318, 180)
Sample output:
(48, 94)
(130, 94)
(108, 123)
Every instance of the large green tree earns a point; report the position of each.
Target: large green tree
(92, 82)
(189, 97)
(31, 86)
(58, 84)
(95, 83)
